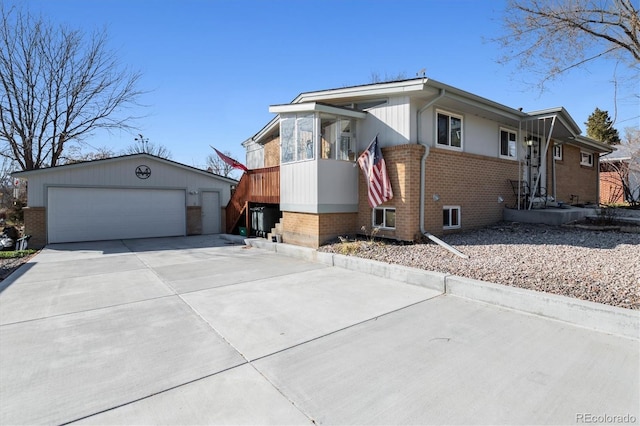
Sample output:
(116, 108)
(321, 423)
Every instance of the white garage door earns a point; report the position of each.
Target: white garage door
(93, 214)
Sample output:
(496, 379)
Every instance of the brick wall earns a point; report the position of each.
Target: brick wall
(272, 152)
(300, 229)
(194, 220)
(35, 224)
(471, 181)
(611, 188)
(313, 230)
(403, 168)
(575, 179)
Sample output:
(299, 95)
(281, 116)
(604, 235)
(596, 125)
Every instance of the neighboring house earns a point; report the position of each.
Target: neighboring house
(620, 175)
(450, 156)
(132, 196)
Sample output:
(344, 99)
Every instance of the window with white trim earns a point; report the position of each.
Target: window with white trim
(297, 141)
(586, 159)
(337, 138)
(450, 217)
(449, 130)
(508, 145)
(384, 217)
(557, 152)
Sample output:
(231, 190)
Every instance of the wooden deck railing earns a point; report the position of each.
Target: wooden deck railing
(255, 186)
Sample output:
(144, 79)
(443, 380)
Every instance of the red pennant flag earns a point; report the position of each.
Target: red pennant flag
(230, 161)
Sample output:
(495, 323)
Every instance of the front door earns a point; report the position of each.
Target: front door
(535, 164)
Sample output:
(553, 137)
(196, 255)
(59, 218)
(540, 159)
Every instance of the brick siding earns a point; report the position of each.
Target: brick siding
(403, 168)
(313, 230)
(575, 179)
(35, 224)
(475, 183)
(194, 220)
(272, 152)
(471, 181)
(611, 188)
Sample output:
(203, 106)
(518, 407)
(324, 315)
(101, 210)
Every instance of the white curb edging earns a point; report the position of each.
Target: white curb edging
(597, 316)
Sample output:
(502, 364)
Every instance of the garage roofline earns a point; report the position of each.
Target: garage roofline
(26, 173)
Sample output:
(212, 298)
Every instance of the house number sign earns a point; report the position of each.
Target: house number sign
(143, 172)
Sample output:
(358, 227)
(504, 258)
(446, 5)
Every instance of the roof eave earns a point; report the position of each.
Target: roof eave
(26, 173)
(591, 144)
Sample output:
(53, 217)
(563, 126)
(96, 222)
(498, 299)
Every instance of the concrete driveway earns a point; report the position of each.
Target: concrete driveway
(199, 330)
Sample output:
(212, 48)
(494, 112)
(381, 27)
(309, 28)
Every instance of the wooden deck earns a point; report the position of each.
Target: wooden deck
(256, 186)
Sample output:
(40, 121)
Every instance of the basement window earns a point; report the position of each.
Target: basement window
(384, 217)
(451, 217)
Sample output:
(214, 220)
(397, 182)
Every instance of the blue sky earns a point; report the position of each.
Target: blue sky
(213, 67)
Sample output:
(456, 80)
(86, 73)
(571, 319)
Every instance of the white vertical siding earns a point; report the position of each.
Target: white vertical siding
(391, 122)
(299, 186)
(337, 186)
(255, 155)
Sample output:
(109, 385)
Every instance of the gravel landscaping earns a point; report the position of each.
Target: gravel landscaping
(600, 266)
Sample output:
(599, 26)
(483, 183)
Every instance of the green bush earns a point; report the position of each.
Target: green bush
(12, 254)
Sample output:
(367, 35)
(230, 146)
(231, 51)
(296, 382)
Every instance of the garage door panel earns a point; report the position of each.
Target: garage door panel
(88, 214)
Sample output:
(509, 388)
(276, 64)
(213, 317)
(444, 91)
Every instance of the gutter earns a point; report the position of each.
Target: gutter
(422, 179)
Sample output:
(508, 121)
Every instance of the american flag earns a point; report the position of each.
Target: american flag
(375, 173)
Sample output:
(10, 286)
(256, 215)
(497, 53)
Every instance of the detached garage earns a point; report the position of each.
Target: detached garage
(133, 196)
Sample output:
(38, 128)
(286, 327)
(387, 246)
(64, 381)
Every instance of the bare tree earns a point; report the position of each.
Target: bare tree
(7, 183)
(551, 37)
(377, 78)
(219, 167)
(142, 145)
(56, 85)
(621, 173)
(75, 155)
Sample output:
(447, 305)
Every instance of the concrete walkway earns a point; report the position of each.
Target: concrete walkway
(208, 330)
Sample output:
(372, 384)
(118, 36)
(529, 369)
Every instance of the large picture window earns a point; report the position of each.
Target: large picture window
(296, 137)
(449, 130)
(338, 139)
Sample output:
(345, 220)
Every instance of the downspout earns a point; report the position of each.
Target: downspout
(553, 173)
(423, 162)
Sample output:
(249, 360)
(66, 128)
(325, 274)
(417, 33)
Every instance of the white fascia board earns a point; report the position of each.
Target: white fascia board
(591, 144)
(316, 107)
(475, 100)
(265, 131)
(55, 169)
(378, 89)
(486, 105)
(561, 114)
(614, 160)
